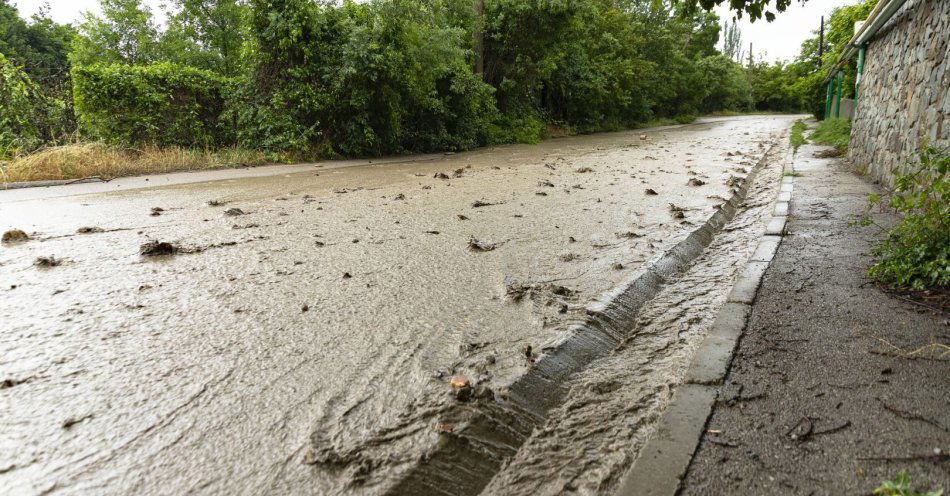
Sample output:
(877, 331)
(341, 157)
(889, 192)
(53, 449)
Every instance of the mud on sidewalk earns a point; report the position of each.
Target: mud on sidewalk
(823, 396)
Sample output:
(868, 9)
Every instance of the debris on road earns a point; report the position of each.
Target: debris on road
(158, 248)
(15, 236)
(233, 212)
(47, 262)
(678, 212)
(476, 245)
(484, 203)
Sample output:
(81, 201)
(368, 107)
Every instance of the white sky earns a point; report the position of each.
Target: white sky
(780, 39)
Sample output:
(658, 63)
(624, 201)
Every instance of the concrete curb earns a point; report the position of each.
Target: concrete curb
(494, 430)
(664, 459)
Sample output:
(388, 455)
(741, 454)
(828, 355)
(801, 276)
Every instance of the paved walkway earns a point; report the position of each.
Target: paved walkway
(816, 402)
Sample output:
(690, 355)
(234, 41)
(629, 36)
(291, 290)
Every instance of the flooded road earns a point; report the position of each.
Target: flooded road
(309, 329)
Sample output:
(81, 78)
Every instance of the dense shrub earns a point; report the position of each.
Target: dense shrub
(18, 129)
(361, 79)
(162, 104)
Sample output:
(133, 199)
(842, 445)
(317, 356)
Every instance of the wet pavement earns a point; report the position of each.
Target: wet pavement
(841, 397)
(300, 332)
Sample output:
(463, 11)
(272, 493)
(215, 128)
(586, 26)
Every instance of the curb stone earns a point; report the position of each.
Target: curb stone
(663, 461)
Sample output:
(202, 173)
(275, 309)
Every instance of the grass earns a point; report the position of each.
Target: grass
(793, 174)
(900, 486)
(82, 160)
(797, 138)
(833, 132)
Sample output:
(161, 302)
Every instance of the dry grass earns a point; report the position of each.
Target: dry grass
(83, 160)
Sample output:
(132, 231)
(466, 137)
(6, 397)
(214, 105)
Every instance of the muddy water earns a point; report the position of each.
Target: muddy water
(613, 406)
(305, 344)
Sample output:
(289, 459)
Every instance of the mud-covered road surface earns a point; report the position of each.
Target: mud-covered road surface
(300, 333)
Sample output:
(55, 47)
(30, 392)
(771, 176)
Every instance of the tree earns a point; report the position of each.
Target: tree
(732, 41)
(125, 34)
(208, 34)
(40, 46)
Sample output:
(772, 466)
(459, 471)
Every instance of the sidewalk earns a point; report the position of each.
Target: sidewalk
(817, 401)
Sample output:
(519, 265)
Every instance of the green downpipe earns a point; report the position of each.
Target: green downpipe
(838, 104)
(828, 99)
(857, 80)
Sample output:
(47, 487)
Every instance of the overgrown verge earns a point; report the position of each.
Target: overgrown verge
(916, 252)
(832, 132)
(84, 160)
(797, 138)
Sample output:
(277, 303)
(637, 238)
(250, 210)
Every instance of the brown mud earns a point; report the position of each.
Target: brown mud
(201, 372)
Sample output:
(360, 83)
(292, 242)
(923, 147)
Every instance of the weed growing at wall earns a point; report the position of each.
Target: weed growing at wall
(916, 252)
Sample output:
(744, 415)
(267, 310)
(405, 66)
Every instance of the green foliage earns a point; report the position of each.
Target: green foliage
(17, 94)
(727, 86)
(160, 104)
(916, 252)
(755, 9)
(797, 137)
(303, 79)
(39, 46)
(209, 34)
(125, 35)
(833, 132)
(839, 32)
(901, 486)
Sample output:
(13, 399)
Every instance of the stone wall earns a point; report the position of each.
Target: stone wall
(904, 96)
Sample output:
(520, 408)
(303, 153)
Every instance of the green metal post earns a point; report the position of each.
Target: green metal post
(857, 80)
(829, 98)
(838, 103)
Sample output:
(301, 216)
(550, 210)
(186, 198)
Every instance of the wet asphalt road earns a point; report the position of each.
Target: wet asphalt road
(322, 309)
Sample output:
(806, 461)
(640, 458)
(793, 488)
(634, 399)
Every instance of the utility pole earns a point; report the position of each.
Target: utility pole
(821, 41)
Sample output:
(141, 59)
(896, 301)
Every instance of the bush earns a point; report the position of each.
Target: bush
(916, 252)
(834, 132)
(18, 129)
(161, 104)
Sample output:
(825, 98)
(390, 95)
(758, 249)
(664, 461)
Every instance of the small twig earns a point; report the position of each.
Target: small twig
(81, 179)
(910, 415)
(934, 457)
(726, 444)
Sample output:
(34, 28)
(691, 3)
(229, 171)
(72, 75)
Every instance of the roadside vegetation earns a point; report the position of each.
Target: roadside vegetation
(916, 252)
(797, 137)
(297, 80)
(832, 132)
(901, 486)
